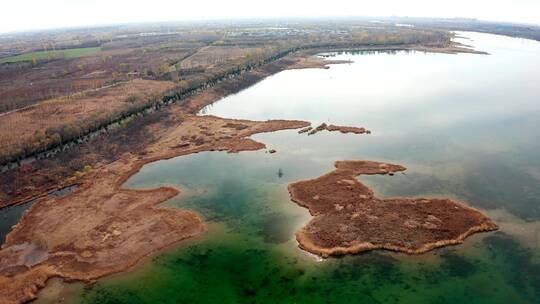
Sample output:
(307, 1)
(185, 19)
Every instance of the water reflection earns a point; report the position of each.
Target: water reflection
(9, 216)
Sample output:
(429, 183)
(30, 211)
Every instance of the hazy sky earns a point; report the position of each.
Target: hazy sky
(38, 14)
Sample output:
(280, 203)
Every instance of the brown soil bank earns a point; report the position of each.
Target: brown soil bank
(102, 228)
(350, 219)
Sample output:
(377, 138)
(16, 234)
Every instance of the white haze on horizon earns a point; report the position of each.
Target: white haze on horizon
(25, 15)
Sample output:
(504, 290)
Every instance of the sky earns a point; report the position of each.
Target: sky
(21, 15)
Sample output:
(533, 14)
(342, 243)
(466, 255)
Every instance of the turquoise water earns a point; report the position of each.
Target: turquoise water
(465, 126)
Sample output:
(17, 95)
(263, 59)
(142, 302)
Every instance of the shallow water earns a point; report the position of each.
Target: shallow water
(9, 216)
(465, 126)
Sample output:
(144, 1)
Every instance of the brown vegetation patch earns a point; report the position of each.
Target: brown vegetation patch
(346, 129)
(334, 128)
(51, 120)
(316, 62)
(24, 84)
(349, 218)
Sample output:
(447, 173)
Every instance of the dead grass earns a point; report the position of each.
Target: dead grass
(212, 56)
(33, 126)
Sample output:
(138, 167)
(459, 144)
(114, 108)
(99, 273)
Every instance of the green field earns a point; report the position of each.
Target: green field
(69, 53)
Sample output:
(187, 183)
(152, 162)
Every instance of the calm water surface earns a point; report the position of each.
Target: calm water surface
(465, 126)
(10, 216)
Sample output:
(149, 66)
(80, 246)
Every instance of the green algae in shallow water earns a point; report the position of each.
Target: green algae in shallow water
(230, 272)
(525, 273)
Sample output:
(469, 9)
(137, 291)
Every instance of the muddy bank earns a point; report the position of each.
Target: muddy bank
(349, 218)
(102, 228)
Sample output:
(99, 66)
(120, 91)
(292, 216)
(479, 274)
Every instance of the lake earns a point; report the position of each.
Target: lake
(465, 126)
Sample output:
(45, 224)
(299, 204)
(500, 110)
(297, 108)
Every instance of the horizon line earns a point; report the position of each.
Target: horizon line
(268, 18)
